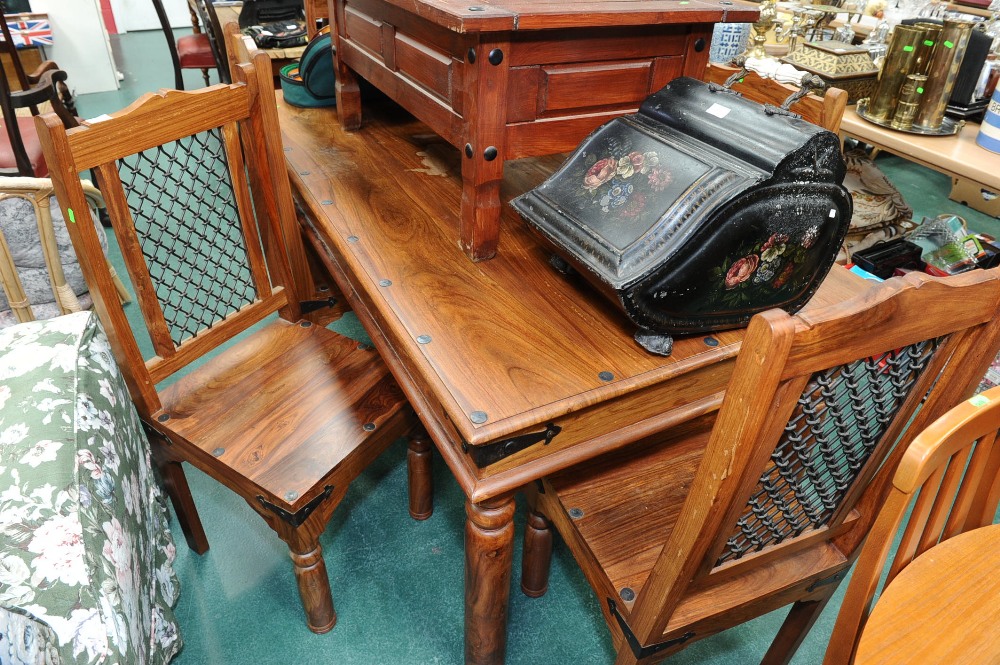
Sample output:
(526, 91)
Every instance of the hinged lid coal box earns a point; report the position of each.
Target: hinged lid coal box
(698, 211)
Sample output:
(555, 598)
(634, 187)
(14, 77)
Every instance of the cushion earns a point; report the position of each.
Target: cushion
(195, 51)
(85, 551)
(29, 136)
(20, 229)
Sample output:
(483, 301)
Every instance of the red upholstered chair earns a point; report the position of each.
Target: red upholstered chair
(192, 51)
(195, 52)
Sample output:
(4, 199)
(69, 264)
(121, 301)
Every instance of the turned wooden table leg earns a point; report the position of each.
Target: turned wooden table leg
(489, 553)
(537, 554)
(419, 474)
(314, 588)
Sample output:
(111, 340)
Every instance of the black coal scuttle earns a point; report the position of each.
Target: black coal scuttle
(698, 211)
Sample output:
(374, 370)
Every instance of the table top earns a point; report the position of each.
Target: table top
(956, 155)
(942, 608)
(491, 350)
(506, 15)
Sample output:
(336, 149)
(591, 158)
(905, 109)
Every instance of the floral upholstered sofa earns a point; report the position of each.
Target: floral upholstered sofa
(85, 552)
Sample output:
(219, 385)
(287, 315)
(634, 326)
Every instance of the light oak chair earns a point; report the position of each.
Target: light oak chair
(288, 413)
(950, 476)
(765, 502)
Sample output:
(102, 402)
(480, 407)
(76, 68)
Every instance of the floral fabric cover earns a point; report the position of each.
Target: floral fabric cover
(85, 551)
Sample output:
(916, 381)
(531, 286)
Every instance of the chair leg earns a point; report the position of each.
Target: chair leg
(204, 74)
(537, 555)
(176, 486)
(421, 481)
(796, 626)
(314, 585)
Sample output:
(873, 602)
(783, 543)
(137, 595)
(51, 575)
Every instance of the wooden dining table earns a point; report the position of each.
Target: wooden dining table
(516, 370)
(942, 608)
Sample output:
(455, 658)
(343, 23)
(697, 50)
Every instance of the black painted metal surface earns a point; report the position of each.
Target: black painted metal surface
(697, 212)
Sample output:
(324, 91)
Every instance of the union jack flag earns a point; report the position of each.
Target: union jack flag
(30, 32)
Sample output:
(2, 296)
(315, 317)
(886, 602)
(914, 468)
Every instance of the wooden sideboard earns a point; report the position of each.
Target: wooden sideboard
(517, 78)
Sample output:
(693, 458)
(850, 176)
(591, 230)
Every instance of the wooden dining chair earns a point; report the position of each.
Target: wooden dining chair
(289, 412)
(193, 51)
(949, 480)
(28, 79)
(20, 151)
(765, 502)
(827, 110)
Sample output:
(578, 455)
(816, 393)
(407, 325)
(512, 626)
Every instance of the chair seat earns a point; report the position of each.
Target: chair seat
(26, 126)
(195, 51)
(330, 394)
(643, 493)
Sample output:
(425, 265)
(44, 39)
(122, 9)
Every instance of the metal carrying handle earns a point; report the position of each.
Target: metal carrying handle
(739, 61)
(809, 83)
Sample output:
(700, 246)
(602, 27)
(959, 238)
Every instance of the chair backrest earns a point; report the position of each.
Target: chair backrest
(8, 47)
(27, 79)
(168, 34)
(826, 111)
(209, 18)
(192, 181)
(802, 449)
(15, 137)
(240, 47)
(950, 475)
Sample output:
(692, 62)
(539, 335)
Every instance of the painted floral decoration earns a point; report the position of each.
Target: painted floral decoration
(616, 183)
(764, 267)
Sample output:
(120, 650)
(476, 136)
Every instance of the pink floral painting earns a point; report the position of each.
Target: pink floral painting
(616, 182)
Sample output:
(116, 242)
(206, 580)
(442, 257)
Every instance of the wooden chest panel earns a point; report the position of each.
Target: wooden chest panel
(428, 67)
(575, 46)
(568, 87)
(364, 31)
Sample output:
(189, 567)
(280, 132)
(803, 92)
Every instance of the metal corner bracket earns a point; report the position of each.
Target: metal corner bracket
(637, 649)
(491, 453)
(296, 519)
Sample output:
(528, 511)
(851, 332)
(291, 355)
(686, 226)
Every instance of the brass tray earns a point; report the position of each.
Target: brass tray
(948, 128)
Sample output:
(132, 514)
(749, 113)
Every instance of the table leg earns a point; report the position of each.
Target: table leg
(485, 129)
(346, 87)
(489, 553)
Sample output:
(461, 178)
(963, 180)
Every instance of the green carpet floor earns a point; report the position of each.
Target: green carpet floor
(398, 584)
